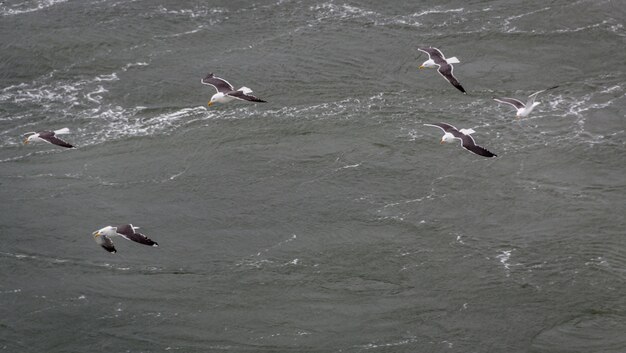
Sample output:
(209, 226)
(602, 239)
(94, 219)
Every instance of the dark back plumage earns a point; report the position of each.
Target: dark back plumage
(50, 137)
(435, 54)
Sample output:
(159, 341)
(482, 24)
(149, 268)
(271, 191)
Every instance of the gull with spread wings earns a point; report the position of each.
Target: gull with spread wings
(226, 92)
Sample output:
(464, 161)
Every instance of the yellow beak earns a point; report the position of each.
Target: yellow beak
(96, 234)
(422, 67)
(26, 141)
(210, 104)
(442, 142)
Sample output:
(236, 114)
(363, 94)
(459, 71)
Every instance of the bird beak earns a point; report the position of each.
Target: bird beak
(421, 67)
(26, 141)
(210, 104)
(96, 234)
(441, 142)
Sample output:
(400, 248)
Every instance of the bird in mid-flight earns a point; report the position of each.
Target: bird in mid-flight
(226, 92)
(444, 66)
(451, 134)
(48, 136)
(126, 231)
(523, 110)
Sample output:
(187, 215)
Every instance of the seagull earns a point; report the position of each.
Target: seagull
(445, 68)
(451, 133)
(226, 92)
(48, 136)
(127, 231)
(523, 109)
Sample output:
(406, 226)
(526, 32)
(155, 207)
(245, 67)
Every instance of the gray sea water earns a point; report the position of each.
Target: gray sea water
(328, 219)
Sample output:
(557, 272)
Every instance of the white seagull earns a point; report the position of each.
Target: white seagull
(451, 133)
(226, 92)
(48, 136)
(523, 109)
(126, 231)
(445, 68)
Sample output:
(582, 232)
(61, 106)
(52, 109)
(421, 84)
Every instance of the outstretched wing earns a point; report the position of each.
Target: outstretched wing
(244, 96)
(219, 84)
(435, 54)
(446, 70)
(127, 231)
(512, 101)
(447, 128)
(50, 137)
(532, 97)
(468, 143)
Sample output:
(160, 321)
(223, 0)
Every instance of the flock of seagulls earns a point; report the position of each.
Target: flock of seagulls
(226, 93)
(451, 134)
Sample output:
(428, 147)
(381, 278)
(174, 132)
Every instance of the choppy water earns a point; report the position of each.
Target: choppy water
(329, 219)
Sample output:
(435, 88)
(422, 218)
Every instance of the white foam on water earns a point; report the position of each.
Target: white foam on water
(332, 11)
(27, 6)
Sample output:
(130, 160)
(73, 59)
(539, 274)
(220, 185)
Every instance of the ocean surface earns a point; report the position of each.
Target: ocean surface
(329, 219)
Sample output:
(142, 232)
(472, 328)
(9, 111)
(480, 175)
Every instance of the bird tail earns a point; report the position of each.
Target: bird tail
(453, 60)
(62, 131)
(245, 90)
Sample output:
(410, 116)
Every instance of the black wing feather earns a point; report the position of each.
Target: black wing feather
(129, 233)
(468, 143)
(247, 97)
(446, 70)
(50, 137)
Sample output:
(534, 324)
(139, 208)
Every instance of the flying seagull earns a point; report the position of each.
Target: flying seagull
(126, 231)
(445, 68)
(451, 133)
(226, 92)
(523, 109)
(48, 136)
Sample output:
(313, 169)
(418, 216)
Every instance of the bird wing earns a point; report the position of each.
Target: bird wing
(244, 96)
(219, 84)
(532, 97)
(106, 243)
(435, 54)
(446, 70)
(49, 136)
(468, 143)
(447, 128)
(512, 101)
(128, 232)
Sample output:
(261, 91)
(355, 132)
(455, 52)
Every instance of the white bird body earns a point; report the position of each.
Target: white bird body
(220, 97)
(449, 137)
(430, 63)
(525, 111)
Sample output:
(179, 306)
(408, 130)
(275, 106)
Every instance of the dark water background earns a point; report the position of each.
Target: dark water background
(329, 219)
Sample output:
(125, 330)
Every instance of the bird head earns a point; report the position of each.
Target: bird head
(447, 137)
(108, 231)
(428, 64)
